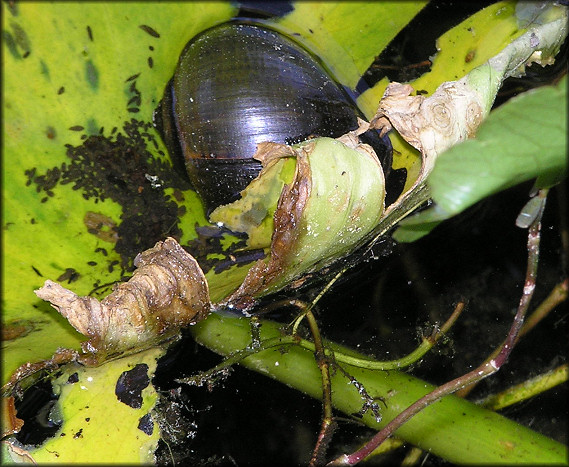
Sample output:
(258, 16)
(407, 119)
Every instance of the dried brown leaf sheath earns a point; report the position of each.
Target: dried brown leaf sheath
(167, 291)
(287, 218)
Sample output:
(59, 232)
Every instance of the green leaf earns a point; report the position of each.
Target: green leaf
(525, 138)
(74, 71)
(104, 415)
(347, 36)
(67, 65)
(333, 202)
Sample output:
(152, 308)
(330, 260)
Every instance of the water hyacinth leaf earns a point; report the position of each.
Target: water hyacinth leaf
(102, 65)
(253, 212)
(168, 291)
(105, 414)
(454, 112)
(506, 151)
(94, 99)
(75, 61)
(359, 30)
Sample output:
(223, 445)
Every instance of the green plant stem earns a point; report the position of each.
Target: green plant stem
(329, 349)
(558, 295)
(452, 428)
(527, 389)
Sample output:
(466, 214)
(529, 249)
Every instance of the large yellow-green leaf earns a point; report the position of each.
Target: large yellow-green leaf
(105, 414)
(348, 35)
(72, 69)
(66, 65)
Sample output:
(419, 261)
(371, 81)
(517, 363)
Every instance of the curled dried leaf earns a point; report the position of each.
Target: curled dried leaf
(167, 291)
(430, 124)
(286, 229)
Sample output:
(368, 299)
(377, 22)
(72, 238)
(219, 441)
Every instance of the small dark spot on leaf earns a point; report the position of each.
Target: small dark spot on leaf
(76, 128)
(150, 62)
(70, 275)
(146, 425)
(131, 78)
(16, 329)
(101, 226)
(21, 39)
(92, 127)
(61, 90)
(150, 47)
(133, 110)
(92, 74)
(63, 434)
(149, 30)
(92, 263)
(87, 419)
(130, 385)
(112, 265)
(135, 100)
(11, 44)
(12, 7)
(79, 434)
(37, 271)
(50, 132)
(101, 250)
(90, 33)
(73, 378)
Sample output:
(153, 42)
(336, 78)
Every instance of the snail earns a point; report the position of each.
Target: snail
(239, 84)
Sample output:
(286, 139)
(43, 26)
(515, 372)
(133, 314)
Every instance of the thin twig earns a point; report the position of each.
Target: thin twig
(527, 389)
(328, 425)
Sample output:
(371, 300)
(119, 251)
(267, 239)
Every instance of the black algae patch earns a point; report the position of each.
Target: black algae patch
(130, 385)
(209, 240)
(119, 167)
(146, 425)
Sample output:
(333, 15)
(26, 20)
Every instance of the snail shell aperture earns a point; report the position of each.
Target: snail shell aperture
(239, 84)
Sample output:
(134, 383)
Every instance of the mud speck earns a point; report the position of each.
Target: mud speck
(130, 385)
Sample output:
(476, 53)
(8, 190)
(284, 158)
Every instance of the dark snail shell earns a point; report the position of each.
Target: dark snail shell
(239, 84)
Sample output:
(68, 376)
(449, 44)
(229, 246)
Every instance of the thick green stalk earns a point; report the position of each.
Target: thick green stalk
(452, 428)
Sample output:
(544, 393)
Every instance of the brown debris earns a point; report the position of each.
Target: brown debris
(287, 218)
(10, 422)
(167, 291)
(430, 124)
